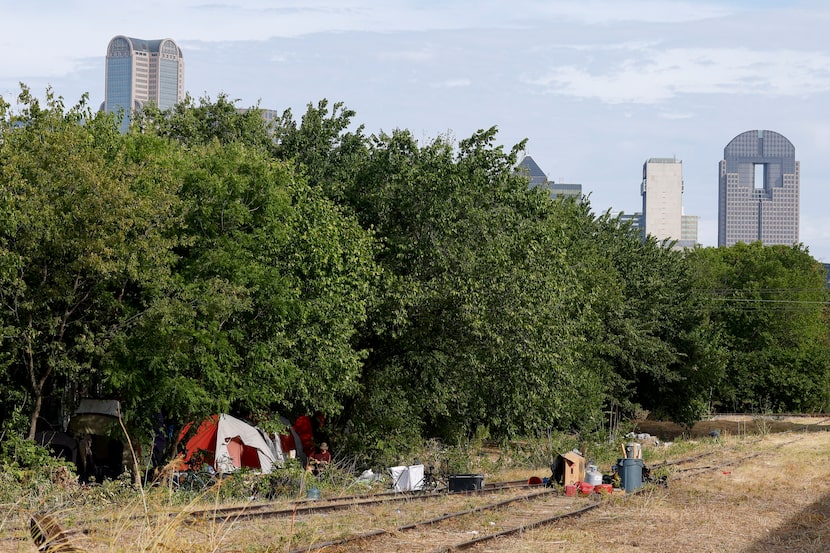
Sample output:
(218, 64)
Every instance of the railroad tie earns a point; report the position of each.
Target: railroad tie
(49, 537)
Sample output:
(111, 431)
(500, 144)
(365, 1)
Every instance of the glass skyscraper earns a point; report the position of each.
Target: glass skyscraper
(139, 71)
(759, 190)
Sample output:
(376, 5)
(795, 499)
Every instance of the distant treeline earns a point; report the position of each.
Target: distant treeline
(205, 263)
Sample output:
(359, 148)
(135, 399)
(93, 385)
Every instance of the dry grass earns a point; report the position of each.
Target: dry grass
(775, 502)
(736, 425)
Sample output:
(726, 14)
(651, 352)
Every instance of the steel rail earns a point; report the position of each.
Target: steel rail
(336, 504)
(518, 529)
(407, 527)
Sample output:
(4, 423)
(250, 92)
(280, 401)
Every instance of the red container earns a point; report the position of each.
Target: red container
(586, 489)
(570, 491)
(604, 489)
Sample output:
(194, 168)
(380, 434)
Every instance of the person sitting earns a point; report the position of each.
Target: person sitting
(319, 459)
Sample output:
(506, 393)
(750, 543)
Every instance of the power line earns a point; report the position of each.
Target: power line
(761, 300)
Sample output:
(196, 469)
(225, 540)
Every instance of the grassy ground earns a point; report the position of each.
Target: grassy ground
(776, 501)
(736, 425)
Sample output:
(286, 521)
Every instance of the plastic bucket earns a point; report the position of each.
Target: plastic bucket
(633, 450)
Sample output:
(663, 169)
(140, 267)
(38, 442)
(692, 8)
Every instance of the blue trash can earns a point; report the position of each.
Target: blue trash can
(631, 474)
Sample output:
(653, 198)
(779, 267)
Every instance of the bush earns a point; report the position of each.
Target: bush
(28, 472)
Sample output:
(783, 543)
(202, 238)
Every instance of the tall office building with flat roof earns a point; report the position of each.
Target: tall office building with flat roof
(758, 196)
(662, 192)
(688, 232)
(139, 71)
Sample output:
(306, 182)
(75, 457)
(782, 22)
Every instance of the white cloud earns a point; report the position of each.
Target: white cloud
(658, 75)
(453, 83)
(419, 56)
(649, 11)
(675, 115)
(40, 40)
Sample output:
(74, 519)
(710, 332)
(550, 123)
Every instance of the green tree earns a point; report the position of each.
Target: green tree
(470, 330)
(322, 144)
(271, 283)
(198, 124)
(85, 239)
(643, 319)
(770, 303)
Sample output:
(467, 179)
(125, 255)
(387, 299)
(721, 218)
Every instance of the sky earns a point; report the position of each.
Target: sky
(596, 87)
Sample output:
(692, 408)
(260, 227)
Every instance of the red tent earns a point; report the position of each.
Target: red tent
(227, 443)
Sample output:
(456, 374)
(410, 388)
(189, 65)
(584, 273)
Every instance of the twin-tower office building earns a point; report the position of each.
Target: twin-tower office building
(140, 71)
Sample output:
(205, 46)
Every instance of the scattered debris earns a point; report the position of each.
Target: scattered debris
(367, 477)
(644, 438)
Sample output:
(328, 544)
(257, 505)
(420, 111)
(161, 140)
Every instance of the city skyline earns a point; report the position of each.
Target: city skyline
(595, 86)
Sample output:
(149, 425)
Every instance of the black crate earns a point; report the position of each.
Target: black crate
(466, 482)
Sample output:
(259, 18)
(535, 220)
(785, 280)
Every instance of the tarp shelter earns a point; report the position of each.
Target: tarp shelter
(303, 435)
(227, 444)
(103, 451)
(61, 444)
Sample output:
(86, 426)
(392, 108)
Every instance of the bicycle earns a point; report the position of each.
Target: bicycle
(431, 481)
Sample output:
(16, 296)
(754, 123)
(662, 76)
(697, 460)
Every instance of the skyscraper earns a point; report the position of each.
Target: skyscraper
(538, 179)
(139, 71)
(759, 190)
(662, 191)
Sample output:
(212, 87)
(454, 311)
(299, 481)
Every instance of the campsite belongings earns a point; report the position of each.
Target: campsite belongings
(407, 478)
(465, 482)
(630, 468)
(593, 476)
(567, 469)
(303, 436)
(368, 477)
(226, 444)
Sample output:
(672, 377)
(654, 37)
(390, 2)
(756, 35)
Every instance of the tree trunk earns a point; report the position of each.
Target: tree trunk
(38, 402)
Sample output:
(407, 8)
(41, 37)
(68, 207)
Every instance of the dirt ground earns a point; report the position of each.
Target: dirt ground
(777, 501)
(736, 425)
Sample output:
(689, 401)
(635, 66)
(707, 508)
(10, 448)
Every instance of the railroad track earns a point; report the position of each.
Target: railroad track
(411, 521)
(450, 532)
(304, 507)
